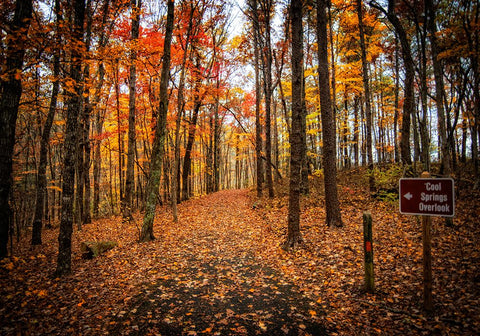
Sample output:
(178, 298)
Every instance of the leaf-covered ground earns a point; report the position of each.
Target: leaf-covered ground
(220, 271)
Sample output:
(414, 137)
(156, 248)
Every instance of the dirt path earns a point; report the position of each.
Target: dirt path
(217, 282)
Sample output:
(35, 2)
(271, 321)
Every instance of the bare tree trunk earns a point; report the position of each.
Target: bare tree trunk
(85, 127)
(328, 121)
(267, 74)
(10, 93)
(294, 237)
(439, 87)
(73, 111)
(258, 126)
(187, 161)
(42, 166)
(130, 175)
(121, 184)
(98, 118)
(397, 92)
(366, 87)
(160, 129)
(423, 120)
(216, 138)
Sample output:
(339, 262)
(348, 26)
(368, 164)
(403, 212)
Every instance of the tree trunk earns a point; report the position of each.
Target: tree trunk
(328, 121)
(10, 93)
(258, 125)
(73, 111)
(130, 175)
(423, 120)
(409, 95)
(294, 237)
(366, 87)
(120, 143)
(216, 138)
(439, 87)
(85, 127)
(180, 110)
(98, 118)
(267, 80)
(42, 166)
(159, 138)
(187, 161)
(397, 92)
(304, 188)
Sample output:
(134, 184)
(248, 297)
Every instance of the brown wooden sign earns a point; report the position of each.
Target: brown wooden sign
(427, 196)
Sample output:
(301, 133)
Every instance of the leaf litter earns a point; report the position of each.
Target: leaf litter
(220, 271)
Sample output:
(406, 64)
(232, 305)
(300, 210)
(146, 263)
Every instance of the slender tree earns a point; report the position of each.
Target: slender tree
(186, 46)
(439, 87)
(253, 6)
(160, 129)
(267, 7)
(98, 121)
(366, 88)
(42, 165)
(332, 205)
(136, 6)
(192, 127)
(73, 112)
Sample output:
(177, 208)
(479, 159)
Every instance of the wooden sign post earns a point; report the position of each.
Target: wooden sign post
(427, 197)
(427, 259)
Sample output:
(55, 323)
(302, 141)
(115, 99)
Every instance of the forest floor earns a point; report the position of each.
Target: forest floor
(220, 271)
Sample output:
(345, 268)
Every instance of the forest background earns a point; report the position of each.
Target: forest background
(113, 107)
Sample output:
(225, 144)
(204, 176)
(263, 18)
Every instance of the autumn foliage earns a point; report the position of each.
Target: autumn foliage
(182, 116)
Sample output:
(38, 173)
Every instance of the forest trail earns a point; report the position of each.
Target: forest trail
(219, 283)
(220, 271)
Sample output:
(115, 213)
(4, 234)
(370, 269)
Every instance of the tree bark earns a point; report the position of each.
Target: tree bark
(10, 93)
(294, 237)
(180, 111)
(366, 88)
(159, 139)
(42, 165)
(73, 111)
(328, 121)
(85, 127)
(439, 87)
(192, 127)
(258, 125)
(98, 117)
(130, 175)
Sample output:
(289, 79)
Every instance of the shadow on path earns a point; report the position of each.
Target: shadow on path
(223, 297)
(216, 282)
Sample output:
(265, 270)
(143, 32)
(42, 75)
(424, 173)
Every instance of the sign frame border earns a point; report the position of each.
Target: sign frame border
(424, 213)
